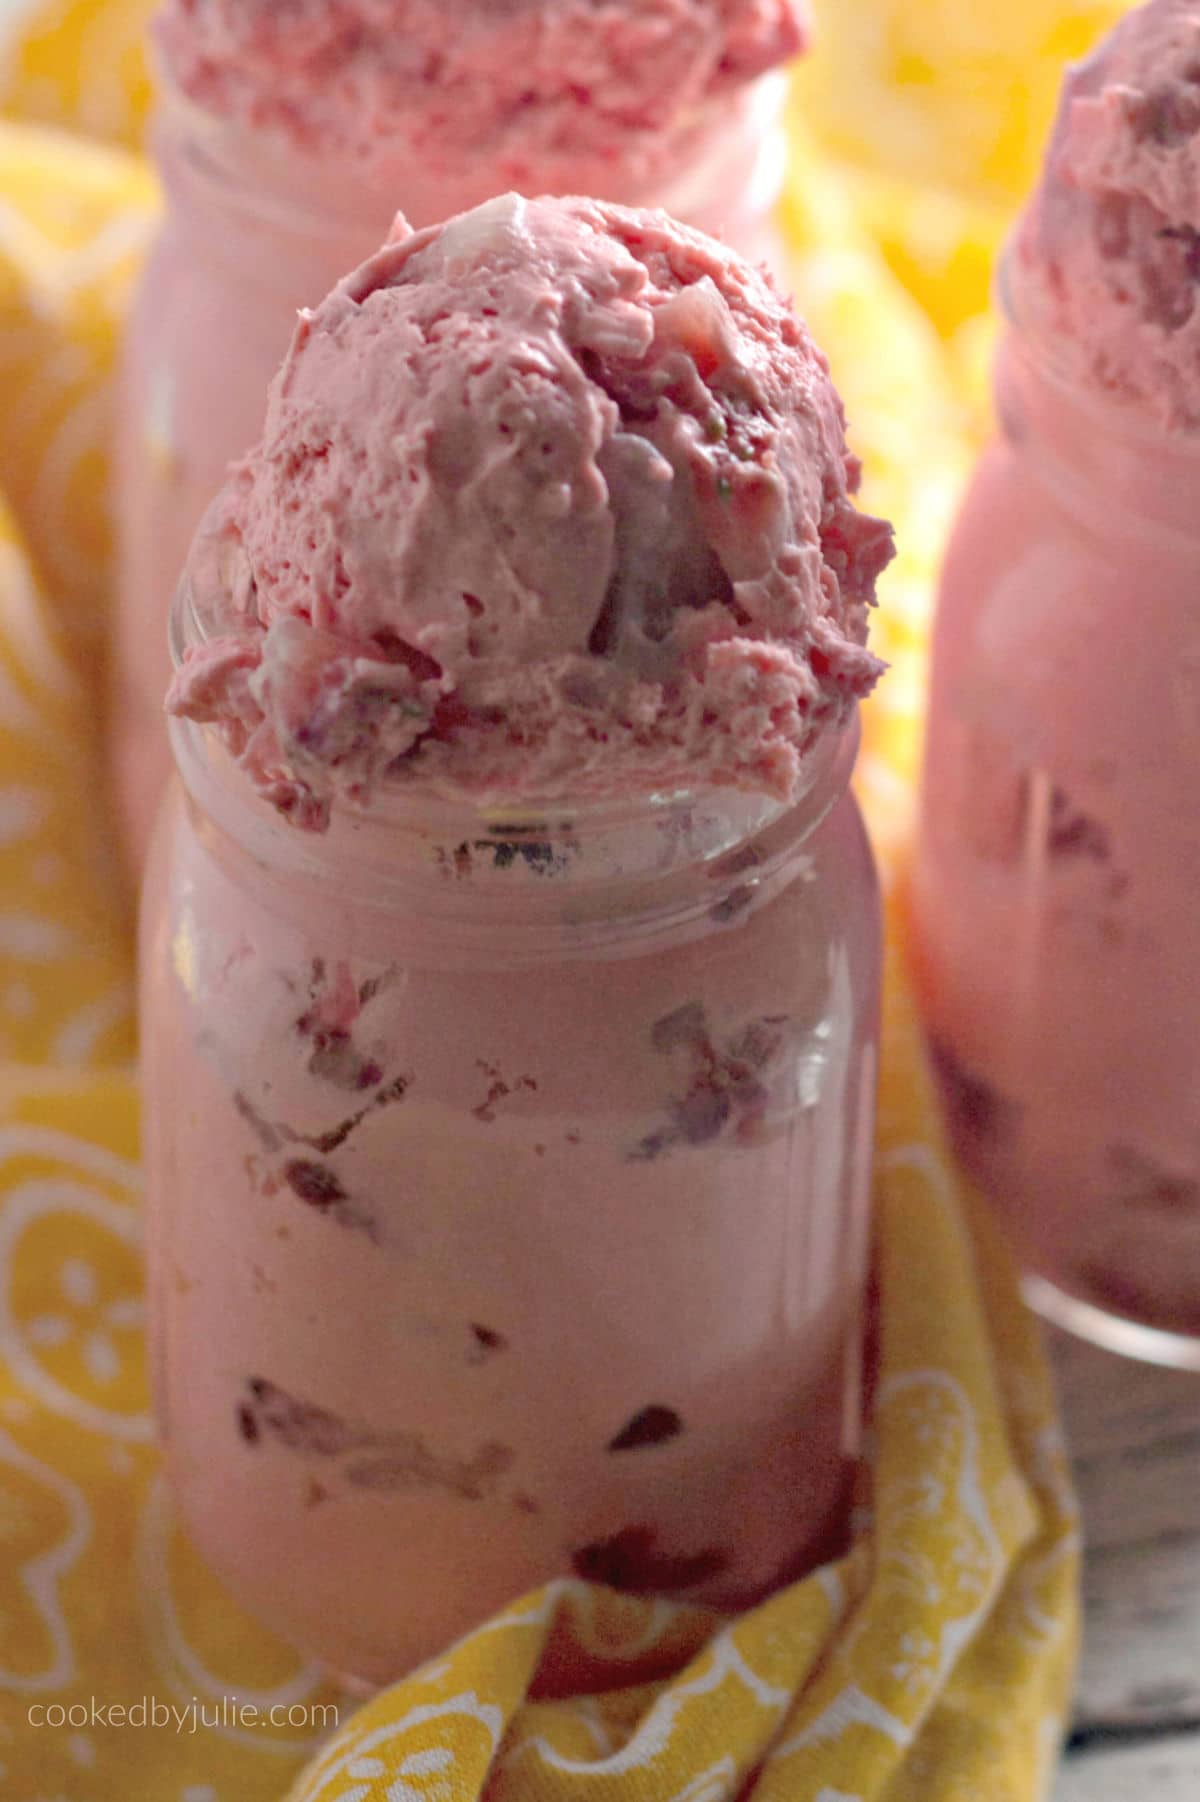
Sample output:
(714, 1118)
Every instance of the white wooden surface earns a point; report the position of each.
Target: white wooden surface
(1135, 1435)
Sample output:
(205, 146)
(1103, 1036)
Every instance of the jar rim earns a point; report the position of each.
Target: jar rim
(1119, 418)
(644, 871)
(404, 805)
(634, 854)
(699, 159)
(188, 629)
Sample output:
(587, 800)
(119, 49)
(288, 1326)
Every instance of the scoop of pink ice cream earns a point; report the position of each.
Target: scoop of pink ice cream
(1108, 258)
(553, 500)
(537, 89)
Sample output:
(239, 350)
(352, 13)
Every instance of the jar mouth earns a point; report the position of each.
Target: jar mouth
(564, 871)
(295, 195)
(730, 143)
(402, 802)
(399, 806)
(566, 883)
(1125, 419)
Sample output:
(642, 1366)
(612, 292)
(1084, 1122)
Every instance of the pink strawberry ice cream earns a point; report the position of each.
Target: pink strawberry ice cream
(557, 493)
(287, 135)
(539, 90)
(1058, 861)
(1108, 259)
(508, 1169)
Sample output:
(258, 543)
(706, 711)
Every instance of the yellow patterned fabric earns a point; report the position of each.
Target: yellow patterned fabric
(65, 992)
(933, 1662)
(80, 64)
(939, 111)
(952, 95)
(74, 221)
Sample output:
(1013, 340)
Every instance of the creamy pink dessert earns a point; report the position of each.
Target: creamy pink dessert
(1107, 262)
(543, 94)
(511, 966)
(287, 138)
(1059, 854)
(618, 562)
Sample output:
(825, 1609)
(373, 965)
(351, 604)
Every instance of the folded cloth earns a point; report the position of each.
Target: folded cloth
(932, 1662)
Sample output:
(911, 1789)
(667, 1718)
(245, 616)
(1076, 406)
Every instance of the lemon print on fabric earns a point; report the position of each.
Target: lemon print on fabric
(74, 223)
(81, 64)
(950, 95)
(72, 1316)
(65, 990)
(71, 1308)
(940, 112)
(201, 1644)
(45, 1525)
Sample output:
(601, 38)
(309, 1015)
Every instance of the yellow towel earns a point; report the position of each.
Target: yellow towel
(932, 1664)
(80, 64)
(74, 221)
(940, 111)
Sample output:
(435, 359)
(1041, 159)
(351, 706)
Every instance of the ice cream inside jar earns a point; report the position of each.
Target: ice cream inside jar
(551, 500)
(1105, 274)
(545, 95)
(1059, 853)
(518, 946)
(287, 137)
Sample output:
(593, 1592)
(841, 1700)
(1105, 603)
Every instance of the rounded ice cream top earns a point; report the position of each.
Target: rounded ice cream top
(553, 501)
(1108, 257)
(537, 89)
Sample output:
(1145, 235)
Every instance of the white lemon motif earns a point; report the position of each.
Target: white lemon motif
(64, 990)
(381, 1751)
(32, 1619)
(722, 1663)
(181, 1667)
(717, 1784)
(81, 1355)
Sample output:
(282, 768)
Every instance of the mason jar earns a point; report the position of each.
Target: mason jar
(508, 1194)
(252, 232)
(1058, 868)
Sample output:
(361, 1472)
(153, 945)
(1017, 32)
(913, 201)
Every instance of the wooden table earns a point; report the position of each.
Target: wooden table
(1135, 1434)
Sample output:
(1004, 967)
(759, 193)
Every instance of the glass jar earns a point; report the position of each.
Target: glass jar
(1058, 868)
(508, 1195)
(252, 232)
